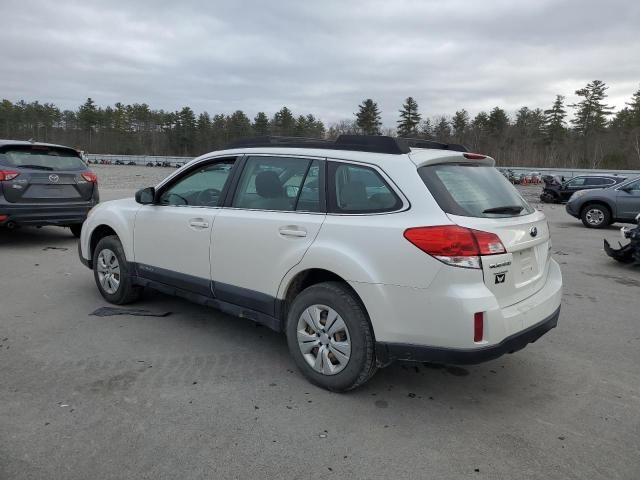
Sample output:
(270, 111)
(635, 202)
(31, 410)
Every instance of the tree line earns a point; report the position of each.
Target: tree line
(594, 137)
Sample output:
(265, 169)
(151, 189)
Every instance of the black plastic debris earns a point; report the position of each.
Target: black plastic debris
(139, 312)
(62, 249)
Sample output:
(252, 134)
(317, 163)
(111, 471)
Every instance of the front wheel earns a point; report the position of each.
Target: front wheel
(596, 216)
(111, 272)
(330, 338)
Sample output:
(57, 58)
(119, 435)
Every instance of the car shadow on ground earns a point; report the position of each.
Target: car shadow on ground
(29, 237)
(444, 385)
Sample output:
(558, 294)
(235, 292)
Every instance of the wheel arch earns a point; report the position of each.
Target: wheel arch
(306, 278)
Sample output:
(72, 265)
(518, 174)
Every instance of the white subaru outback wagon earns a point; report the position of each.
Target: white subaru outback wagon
(363, 250)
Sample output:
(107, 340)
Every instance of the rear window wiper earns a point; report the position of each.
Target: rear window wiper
(505, 209)
(37, 167)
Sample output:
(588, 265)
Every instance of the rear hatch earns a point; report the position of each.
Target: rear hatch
(45, 174)
(477, 196)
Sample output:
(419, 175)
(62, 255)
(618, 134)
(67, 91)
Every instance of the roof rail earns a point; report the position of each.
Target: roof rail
(359, 143)
(422, 143)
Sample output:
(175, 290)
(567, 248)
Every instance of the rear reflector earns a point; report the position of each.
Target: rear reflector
(474, 156)
(478, 326)
(90, 177)
(3, 217)
(455, 245)
(8, 175)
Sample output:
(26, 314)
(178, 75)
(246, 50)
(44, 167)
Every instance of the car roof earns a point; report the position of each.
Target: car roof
(4, 143)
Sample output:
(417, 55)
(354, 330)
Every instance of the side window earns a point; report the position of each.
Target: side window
(593, 182)
(200, 188)
(577, 182)
(634, 186)
(279, 183)
(607, 182)
(359, 189)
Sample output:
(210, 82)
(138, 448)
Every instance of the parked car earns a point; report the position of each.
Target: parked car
(560, 193)
(363, 251)
(44, 184)
(601, 207)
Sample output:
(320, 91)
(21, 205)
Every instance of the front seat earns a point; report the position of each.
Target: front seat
(270, 192)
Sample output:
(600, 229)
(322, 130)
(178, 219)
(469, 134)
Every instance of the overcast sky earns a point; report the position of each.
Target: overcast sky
(320, 57)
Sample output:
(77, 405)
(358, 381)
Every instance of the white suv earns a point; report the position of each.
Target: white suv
(363, 251)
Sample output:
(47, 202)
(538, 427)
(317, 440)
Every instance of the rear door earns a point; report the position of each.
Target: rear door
(478, 197)
(45, 174)
(572, 186)
(274, 216)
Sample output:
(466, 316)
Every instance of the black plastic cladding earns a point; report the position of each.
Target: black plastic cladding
(359, 143)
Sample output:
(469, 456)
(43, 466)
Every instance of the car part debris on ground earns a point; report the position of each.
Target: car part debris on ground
(629, 252)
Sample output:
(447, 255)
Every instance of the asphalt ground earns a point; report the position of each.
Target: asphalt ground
(199, 394)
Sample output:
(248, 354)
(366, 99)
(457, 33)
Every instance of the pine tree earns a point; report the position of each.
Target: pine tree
(238, 125)
(442, 130)
(426, 129)
(460, 123)
(634, 109)
(261, 124)
(555, 127)
(284, 123)
(497, 122)
(368, 118)
(409, 118)
(591, 112)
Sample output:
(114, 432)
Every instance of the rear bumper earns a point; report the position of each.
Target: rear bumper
(46, 214)
(388, 352)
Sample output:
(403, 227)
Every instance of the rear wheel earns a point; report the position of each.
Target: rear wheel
(111, 272)
(596, 215)
(330, 338)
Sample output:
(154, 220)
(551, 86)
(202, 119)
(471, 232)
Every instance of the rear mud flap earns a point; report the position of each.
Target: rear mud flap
(622, 254)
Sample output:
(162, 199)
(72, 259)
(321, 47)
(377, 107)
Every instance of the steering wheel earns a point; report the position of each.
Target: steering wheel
(208, 197)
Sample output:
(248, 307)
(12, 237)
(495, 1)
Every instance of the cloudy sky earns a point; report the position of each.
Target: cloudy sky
(320, 57)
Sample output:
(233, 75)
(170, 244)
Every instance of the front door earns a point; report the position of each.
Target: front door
(172, 237)
(628, 201)
(274, 216)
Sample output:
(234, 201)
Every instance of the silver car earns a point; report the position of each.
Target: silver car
(601, 207)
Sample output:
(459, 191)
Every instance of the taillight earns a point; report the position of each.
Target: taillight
(455, 245)
(90, 177)
(8, 175)
(474, 156)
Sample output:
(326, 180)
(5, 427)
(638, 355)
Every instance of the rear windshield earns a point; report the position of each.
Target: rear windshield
(45, 159)
(473, 191)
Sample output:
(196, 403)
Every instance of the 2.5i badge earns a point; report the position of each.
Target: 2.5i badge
(500, 277)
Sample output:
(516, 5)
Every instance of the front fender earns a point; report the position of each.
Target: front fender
(119, 215)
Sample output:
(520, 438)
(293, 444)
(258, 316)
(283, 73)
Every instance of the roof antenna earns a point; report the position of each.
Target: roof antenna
(31, 140)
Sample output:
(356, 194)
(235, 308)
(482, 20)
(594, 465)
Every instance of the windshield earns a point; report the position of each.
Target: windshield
(473, 191)
(41, 159)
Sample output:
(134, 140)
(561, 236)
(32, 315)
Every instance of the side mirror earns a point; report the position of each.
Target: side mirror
(146, 196)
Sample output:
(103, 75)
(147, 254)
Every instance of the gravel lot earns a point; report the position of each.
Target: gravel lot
(199, 394)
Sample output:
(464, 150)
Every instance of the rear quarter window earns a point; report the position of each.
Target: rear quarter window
(473, 191)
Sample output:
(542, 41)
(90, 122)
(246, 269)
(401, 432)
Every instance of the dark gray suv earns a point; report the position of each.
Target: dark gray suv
(602, 207)
(44, 184)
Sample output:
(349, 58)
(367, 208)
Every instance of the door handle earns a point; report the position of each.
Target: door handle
(292, 231)
(198, 223)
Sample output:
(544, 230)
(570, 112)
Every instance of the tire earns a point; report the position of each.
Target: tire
(595, 215)
(125, 291)
(332, 298)
(76, 230)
